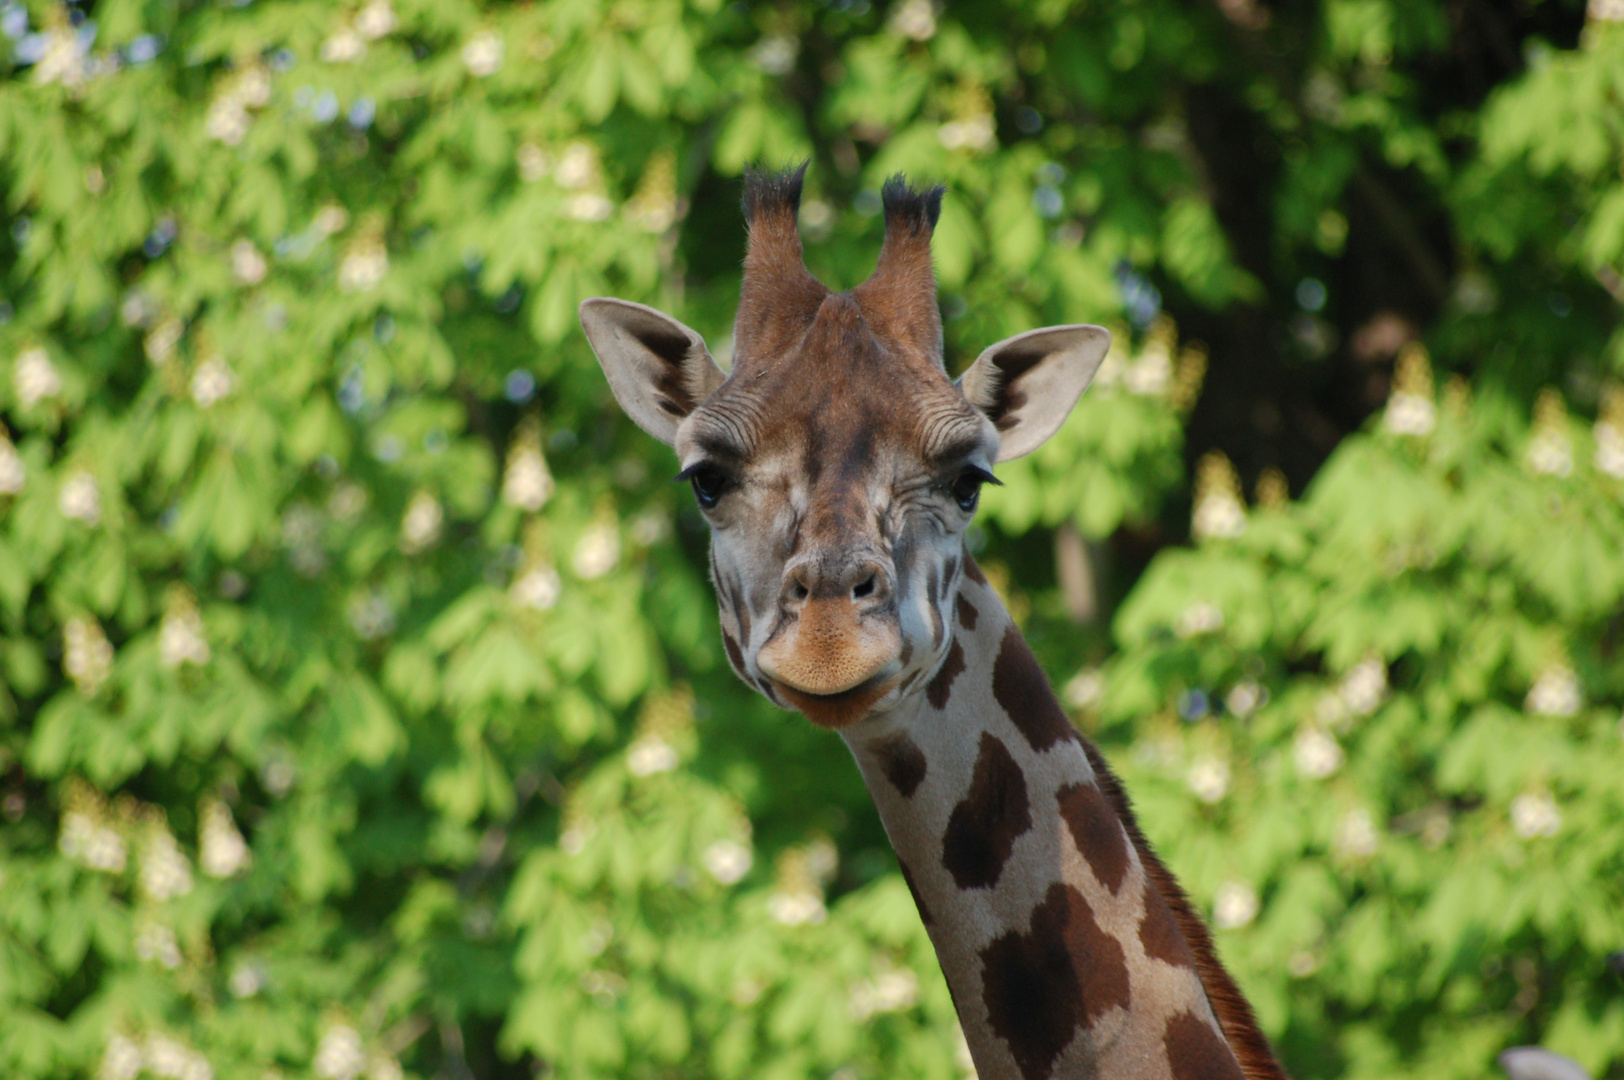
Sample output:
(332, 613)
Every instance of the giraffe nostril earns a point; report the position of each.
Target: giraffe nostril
(798, 591)
(863, 588)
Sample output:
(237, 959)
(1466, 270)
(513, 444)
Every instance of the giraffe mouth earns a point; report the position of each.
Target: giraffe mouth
(842, 708)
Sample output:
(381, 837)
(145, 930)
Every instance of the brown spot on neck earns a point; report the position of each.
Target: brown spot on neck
(973, 572)
(1196, 1052)
(902, 762)
(1159, 932)
(1096, 832)
(967, 613)
(1021, 688)
(940, 687)
(983, 828)
(1041, 986)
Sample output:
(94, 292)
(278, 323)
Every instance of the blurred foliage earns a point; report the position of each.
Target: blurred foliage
(361, 704)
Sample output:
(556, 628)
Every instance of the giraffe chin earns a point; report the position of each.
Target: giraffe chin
(841, 710)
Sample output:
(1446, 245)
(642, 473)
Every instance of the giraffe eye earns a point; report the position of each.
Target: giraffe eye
(709, 483)
(967, 488)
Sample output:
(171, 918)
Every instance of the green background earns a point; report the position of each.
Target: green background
(362, 706)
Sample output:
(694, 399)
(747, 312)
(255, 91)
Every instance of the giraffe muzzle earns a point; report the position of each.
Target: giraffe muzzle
(838, 644)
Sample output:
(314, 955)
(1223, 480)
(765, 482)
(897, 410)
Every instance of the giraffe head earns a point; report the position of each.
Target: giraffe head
(837, 464)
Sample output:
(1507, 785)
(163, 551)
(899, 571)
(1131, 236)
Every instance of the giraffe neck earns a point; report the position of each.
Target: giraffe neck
(1067, 947)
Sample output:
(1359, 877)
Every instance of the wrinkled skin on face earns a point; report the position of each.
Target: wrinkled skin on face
(841, 481)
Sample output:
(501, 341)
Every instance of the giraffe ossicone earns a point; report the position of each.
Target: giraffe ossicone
(838, 467)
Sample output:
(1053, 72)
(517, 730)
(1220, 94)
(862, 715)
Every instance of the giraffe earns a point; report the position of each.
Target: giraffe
(838, 467)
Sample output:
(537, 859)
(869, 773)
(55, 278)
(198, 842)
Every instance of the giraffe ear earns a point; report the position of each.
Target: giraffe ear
(1027, 384)
(659, 369)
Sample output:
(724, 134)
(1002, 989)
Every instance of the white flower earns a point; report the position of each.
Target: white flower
(347, 501)
(92, 844)
(372, 616)
(650, 755)
(1084, 689)
(364, 266)
(247, 263)
(64, 58)
(822, 859)
(278, 775)
(167, 1058)
(1235, 905)
(1198, 618)
(227, 120)
(588, 206)
(1535, 814)
(13, 474)
(538, 588)
(1364, 688)
(890, 991)
(421, 526)
(301, 532)
(1317, 753)
(727, 861)
(1245, 698)
(1609, 446)
(212, 381)
(1410, 414)
(156, 945)
(483, 54)
(345, 47)
(329, 219)
(180, 638)
(597, 552)
(1606, 10)
(1550, 454)
(375, 20)
(527, 483)
(577, 167)
(87, 655)
(1356, 835)
(339, 1055)
(80, 498)
(224, 851)
(775, 54)
(137, 308)
(915, 19)
(1554, 693)
(1219, 514)
(121, 1060)
(1151, 374)
(649, 528)
(35, 377)
(246, 980)
(165, 871)
(798, 908)
(573, 840)
(972, 133)
(161, 341)
(1208, 779)
(533, 162)
(253, 86)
